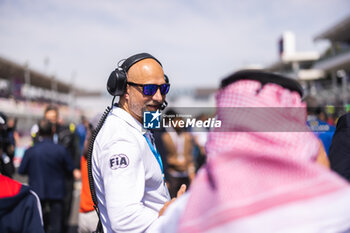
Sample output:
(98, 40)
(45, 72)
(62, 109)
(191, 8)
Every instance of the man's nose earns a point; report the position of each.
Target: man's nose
(158, 96)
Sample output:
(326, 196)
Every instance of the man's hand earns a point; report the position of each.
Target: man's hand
(76, 174)
(181, 191)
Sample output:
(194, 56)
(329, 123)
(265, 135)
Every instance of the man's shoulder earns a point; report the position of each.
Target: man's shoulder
(346, 119)
(116, 129)
(343, 122)
(114, 124)
(117, 123)
(45, 144)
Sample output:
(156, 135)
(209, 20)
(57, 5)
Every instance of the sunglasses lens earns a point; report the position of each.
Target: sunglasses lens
(164, 89)
(150, 89)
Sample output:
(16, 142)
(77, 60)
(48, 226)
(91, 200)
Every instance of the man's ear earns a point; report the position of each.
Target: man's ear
(122, 99)
(126, 94)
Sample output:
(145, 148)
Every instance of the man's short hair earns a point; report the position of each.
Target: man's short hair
(45, 127)
(50, 108)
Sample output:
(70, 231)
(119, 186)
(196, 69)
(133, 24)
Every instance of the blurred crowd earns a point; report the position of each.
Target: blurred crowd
(56, 159)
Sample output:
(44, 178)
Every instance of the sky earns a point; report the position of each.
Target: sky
(198, 42)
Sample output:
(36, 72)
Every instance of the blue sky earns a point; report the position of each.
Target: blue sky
(198, 42)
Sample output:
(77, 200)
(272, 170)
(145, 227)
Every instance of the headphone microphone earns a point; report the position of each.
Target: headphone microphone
(164, 105)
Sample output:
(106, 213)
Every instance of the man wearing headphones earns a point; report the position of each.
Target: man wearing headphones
(126, 166)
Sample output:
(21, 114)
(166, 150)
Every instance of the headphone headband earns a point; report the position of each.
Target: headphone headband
(129, 62)
(116, 84)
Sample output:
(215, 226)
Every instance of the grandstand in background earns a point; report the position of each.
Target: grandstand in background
(335, 62)
(24, 94)
(324, 76)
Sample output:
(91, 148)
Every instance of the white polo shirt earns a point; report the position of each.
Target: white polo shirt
(128, 179)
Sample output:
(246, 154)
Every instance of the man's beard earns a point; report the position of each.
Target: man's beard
(138, 110)
(154, 104)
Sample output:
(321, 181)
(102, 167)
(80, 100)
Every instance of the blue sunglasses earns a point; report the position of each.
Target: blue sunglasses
(151, 89)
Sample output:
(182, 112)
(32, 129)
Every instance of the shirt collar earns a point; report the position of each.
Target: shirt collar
(121, 113)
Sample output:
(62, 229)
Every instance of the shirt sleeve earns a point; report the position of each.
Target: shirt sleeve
(123, 172)
(31, 214)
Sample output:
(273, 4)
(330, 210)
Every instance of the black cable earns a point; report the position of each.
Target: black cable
(89, 163)
(113, 101)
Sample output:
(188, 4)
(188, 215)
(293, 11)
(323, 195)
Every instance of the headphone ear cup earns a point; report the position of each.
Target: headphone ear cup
(116, 84)
(166, 78)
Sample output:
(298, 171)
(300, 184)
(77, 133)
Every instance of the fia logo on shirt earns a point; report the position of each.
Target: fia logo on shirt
(118, 161)
(151, 120)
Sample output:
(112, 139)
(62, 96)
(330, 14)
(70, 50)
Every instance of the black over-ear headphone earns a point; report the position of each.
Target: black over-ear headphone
(116, 84)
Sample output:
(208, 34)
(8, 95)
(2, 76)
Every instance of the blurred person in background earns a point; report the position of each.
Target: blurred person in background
(13, 136)
(81, 130)
(6, 148)
(178, 153)
(20, 208)
(12, 130)
(88, 218)
(200, 137)
(47, 164)
(66, 136)
(262, 173)
(316, 120)
(62, 133)
(339, 153)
